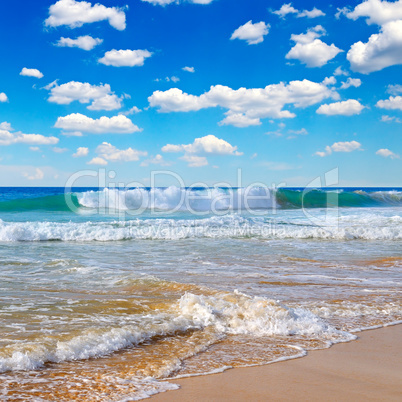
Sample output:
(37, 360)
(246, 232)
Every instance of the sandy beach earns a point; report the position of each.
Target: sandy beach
(369, 368)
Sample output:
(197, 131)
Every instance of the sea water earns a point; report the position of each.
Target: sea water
(106, 293)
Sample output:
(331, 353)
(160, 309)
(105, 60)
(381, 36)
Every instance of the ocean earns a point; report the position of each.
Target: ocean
(106, 293)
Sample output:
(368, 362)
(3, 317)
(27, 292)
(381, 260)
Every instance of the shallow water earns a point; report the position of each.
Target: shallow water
(104, 306)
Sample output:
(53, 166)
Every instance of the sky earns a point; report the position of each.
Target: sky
(210, 90)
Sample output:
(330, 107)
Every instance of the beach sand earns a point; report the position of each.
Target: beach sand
(369, 368)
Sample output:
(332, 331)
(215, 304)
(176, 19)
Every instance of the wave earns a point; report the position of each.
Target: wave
(173, 199)
(369, 226)
(222, 314)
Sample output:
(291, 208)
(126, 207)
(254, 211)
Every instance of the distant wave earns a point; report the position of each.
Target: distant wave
(213, 199)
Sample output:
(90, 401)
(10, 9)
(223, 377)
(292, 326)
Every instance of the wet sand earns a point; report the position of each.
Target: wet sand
(369, 368)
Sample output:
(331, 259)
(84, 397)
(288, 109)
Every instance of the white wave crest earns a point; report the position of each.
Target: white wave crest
(226, 313)
(359, 226)
(178, 199)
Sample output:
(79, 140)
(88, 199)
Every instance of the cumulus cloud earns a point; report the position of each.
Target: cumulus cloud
(31, 72)
(189, 69)
(310, 50)
(83, 42)
(246, 105)
(289, 9)
(351, 82)
(9, 137)
(37, 175)
(125, 58)
(377, 11)
(344, 108)
(166, 2)
(347, 146)
(77, 122)
(77, 13)
(386, 153)
(195, 153)
(3, 97)
(382, 50)
(204, 145)
(314, 13)
(157, 160)
(97, 161)
(340, 71)
(285, 10)
(252, 33)
(109, 152)
(100, 96)
(81, 151)
(393, 103)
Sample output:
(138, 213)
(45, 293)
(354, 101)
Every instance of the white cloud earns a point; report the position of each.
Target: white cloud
(59, 150)
(34, 149)
(168, 79)
(195, 161)
(100, 96)
(125, 58)
(133, 110)
(302, 131)
(347, 146)
(382, 50)
(289, 9)
(314, 13)
(157, 160)
(77, 13)
(390, 119)
(351, 82)
(394, 89)
(83, 42)
(252, 33)
(377, 11)
(109, 152)
(3, 97)
(339, 71)
(253, 104)
(239, 120)
(341, 11)
(344, 108)
(392, 103)
(310, 50)
(8, 137)
(285, 10)
(78, 122)
(38, 175)
(204, 145)
(386, 153)
(189, 69)
(31, 72)
(166, 2)
(97, 161)
(195, 152)
(81, 151)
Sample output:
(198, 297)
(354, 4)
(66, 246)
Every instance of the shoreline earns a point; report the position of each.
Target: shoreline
(368, 368)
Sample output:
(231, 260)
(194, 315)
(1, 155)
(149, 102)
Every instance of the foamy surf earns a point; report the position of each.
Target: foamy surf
(364, 226)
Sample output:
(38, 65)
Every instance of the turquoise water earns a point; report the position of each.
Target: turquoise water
(134, 286)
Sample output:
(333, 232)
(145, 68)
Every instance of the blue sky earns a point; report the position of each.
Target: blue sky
(283, 91)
